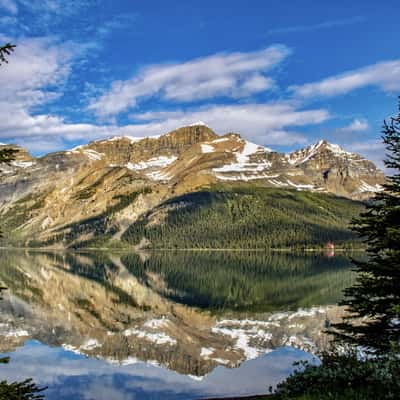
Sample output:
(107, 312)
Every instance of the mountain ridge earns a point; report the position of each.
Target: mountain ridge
(123, 177)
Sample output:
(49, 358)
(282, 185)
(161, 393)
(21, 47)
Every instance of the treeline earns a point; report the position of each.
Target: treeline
(247, 281)
(250, 218)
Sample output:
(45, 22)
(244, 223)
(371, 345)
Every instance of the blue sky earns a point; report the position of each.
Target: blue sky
(283, 74)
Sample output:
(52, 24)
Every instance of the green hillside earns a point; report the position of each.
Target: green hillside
(247, 218)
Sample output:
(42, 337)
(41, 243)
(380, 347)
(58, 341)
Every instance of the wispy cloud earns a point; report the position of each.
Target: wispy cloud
(225, 74)
(385, 75)
(314, 27)
(357, 125)
(116, 22)
(268, 124)
(9, 5)
(51, 8)
(41, 67)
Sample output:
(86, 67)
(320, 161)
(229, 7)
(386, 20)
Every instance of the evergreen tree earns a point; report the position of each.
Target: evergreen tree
(7, 155)
(374, 300)
(5, 51)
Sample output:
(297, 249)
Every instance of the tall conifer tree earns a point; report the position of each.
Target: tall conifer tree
(374, 300)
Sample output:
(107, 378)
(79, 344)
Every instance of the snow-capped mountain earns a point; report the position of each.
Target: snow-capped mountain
(41, 194)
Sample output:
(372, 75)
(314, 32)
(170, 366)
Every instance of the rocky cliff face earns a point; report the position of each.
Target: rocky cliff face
(75, 192)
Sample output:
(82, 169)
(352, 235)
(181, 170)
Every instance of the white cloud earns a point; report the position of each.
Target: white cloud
(36, 65)
(322, 25)
(40, 68)
(35, 75)
(357, 125)
(385, 75)
(46, 9)
(9, 5)
(225, 74)
(268, 124)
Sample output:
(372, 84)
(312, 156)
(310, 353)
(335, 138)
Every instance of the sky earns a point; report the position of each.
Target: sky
(283, 74)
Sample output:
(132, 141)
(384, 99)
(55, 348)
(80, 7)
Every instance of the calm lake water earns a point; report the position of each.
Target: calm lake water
(164, 325)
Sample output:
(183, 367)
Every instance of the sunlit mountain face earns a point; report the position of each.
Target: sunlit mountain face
(100, 194)
(172, 316)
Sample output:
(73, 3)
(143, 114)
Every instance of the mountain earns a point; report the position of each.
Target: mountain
(67, 198)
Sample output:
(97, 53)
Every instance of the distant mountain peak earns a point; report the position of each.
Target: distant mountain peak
(125, 176)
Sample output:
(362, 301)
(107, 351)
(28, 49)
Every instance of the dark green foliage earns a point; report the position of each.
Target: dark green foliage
(217, 280)
(245, 281)
(25, 390)
(375, 297)
(248, 218)
(7, 155)
(125, 199)
(344, 377)
(5, 51)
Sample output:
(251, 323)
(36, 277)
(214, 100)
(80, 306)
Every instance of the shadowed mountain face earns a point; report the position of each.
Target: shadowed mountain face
(66, 198)
(186, 311)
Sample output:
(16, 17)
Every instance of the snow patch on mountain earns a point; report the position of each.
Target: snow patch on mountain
(90, 344)
(154, 337)
(244, 177)
(243, 164)
(365, 187)
(93, 155)
(156, 323)
(22, 164)
(337, 150)
(206, 148)
(301, 156)
(224, 139)
(17, 333)
(155, 162)
(243, 337)
(198, 123)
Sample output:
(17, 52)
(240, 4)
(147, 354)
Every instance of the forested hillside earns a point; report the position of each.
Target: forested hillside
(247, 218)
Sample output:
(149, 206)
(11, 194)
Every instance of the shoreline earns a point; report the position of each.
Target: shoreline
(135, 250)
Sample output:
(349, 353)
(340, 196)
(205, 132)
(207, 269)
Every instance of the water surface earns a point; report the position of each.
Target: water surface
(164, 325)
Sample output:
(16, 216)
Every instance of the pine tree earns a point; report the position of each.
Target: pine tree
(5, 51)
(374, 300)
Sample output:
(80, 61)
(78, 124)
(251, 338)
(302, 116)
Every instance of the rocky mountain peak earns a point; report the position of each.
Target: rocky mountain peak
(322, 148)
(132, 175)
(188, 135)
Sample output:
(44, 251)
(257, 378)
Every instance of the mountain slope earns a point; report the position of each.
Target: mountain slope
(73, 197)
(246, 217)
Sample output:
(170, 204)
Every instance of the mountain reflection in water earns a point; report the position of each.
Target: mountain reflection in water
(167, 324)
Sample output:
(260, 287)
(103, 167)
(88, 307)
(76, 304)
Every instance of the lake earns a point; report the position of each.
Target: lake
(164, 325)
